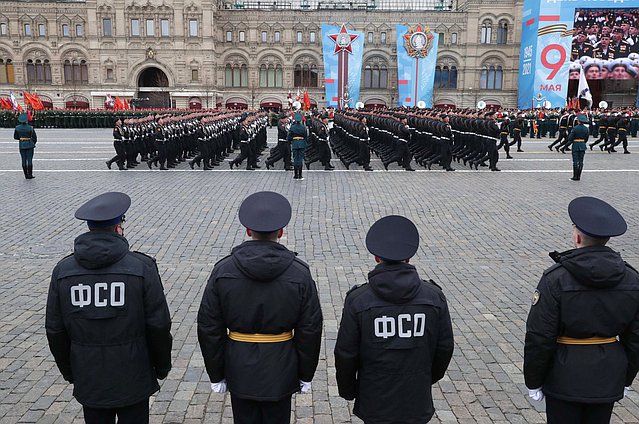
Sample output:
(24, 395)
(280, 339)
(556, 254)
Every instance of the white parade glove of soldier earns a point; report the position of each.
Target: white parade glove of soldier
(626, 390)
(305, 387)
(536, 394)
(219, 387)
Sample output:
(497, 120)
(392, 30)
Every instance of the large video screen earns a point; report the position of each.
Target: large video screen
(605, 44)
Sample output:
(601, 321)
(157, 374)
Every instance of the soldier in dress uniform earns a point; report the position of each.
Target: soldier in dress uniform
(27, 139)
(107, 321)
(395, 339)
(297, 135)
(260, 322)
(582, 333)
(578, 137)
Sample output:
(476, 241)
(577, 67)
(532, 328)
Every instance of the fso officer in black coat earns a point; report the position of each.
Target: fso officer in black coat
(107, 320)
(395, 339)
(582, 334)
(260, 322)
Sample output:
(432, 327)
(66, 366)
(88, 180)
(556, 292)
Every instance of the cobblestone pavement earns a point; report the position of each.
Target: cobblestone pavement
(485, 237)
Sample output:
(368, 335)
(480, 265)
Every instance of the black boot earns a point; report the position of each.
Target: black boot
(295, 172)
(26, 172)
(30, 172)
(299, 175)
(108, 164)
(581, 168)
(575, 173)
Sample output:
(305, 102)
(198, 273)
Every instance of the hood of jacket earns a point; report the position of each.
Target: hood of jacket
(262, 260)
(99, 249)
(396, 283)
(596, 266)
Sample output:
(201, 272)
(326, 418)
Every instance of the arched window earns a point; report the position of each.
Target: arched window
(375, 76)
(486, 32)
(446, 76)
(305, 75)
(502, 32)
(76, 72)
(243, 76)
(491, 77)
(263, 76)
(228, 76)
(270, 75)
(38, 71)
(236, 76)
(7, 75)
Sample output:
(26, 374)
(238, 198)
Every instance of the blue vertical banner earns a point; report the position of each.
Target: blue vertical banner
(343, 51)
(416, 59)
(560, 37)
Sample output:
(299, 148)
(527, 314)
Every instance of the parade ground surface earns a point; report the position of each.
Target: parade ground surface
(485, 238)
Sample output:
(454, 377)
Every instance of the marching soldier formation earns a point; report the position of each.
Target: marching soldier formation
(259, 323)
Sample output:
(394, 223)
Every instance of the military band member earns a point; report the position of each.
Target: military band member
(582, 335)
(260, 322)
(395, 338)
(107, 320)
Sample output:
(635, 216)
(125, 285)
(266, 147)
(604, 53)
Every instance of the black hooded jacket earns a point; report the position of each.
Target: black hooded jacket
(108, 323)
(261, 288)
(395, 341)
(590, 292)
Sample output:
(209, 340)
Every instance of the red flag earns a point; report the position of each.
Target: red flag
(5, 103)
(126, 104)
(27, 98)
(307, 101)
(30, 118)
(118, 104)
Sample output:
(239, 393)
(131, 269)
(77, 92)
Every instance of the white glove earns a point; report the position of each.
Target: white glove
(219, 387)
(626, 390)
(536, 394)
(305, 387)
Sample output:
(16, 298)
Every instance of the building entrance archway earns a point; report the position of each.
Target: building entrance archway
(153, 89)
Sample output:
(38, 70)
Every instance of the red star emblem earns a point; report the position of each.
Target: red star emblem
(343, 40)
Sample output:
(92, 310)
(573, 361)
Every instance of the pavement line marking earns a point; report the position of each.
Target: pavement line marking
(379, 171)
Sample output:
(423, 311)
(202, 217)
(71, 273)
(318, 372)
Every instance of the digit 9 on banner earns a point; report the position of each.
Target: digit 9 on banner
(553, 66)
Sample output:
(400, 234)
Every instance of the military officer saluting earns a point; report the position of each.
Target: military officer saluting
(107, 320)
(260, 322)
(395, 339)
(582, 333)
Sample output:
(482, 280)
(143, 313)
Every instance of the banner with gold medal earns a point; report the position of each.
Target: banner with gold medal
(416, 60)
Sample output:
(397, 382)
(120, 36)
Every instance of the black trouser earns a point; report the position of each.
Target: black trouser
(516, 139)
(325, 153)
(403, 154)
(364, 155)
(254, 412)
(245, 153)
(134, 414)
(563, 412)
(563, 134)
(285, 151)
(120, 153)
(447, 154)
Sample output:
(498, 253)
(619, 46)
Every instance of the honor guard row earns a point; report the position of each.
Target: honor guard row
(259, 323)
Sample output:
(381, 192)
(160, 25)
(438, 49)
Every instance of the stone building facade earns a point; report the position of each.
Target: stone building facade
(191, 53)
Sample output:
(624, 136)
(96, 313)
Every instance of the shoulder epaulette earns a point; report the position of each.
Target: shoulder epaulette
(355, 287)
(631, 267)
(552, 268)
(301, 262)
(224, 258)
(145, 255)
(434, 284)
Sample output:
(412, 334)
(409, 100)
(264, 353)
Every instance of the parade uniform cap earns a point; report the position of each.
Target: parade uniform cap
(23, 118)
(582, 118)
(265, 212)
(393, 238)
(104, 210)
(297, 117)
(596, 218)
